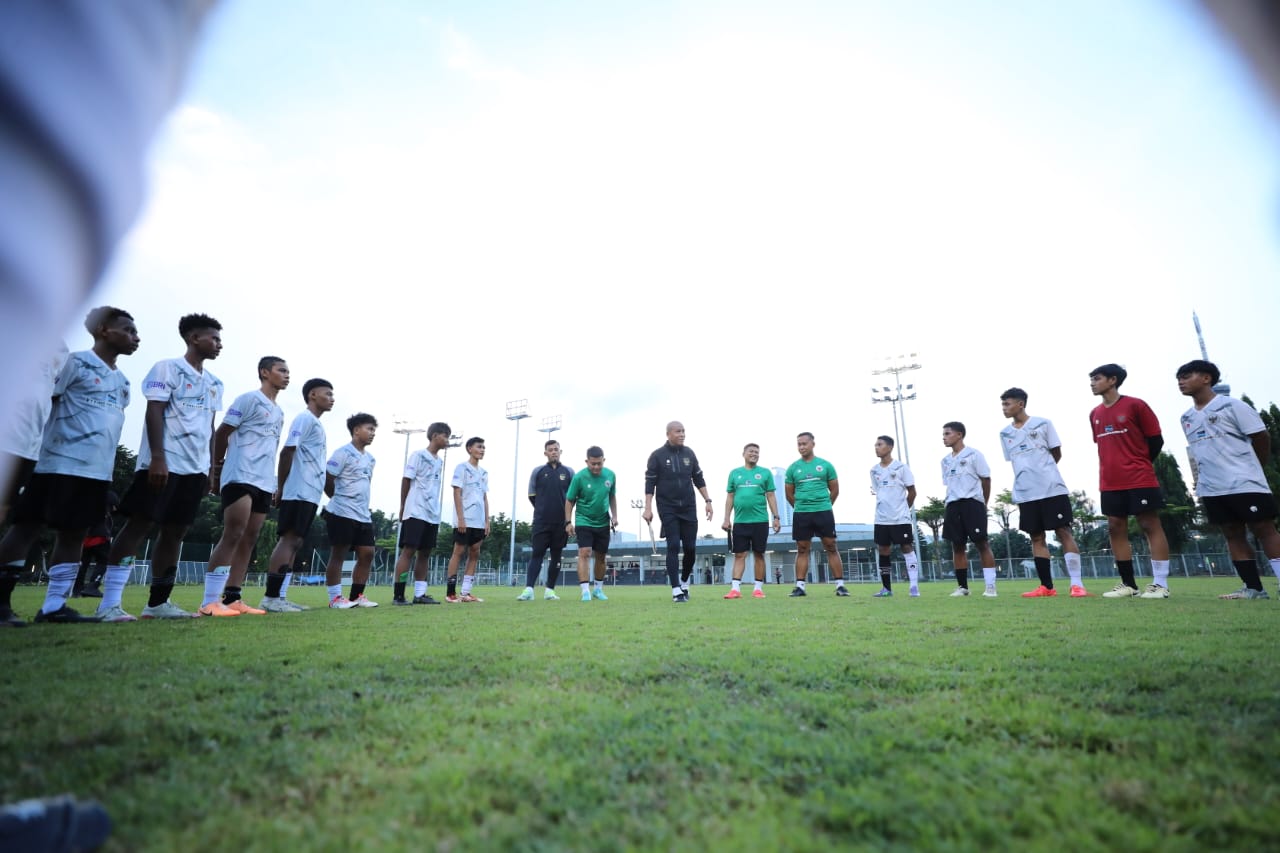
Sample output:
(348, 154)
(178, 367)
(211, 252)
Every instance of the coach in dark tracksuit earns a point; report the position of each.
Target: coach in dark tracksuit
(547, 487)
(670, 476)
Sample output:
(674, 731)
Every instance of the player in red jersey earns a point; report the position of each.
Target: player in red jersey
(1128, 438)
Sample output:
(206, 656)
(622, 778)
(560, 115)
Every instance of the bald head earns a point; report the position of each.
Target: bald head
(675, 433)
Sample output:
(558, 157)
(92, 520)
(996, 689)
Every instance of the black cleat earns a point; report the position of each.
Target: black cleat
(64, 615)
(682, 598)
(842, 592)
(424, 599)
(797, 593)
(9, 619)
(54, 824)
(400, 602)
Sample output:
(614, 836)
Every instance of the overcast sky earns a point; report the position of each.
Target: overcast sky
(723, 213)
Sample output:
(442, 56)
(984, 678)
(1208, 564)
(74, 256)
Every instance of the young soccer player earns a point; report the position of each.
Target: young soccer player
(548, 486)
(670, 477)
(301, 474)
(420, 511)
(1128, 438)
(968, 479)
(1228, 445)
(348, 477)
(812, 488)
(69, 485)
(244, 475)
(1044, 503)
(749, 505)
(895, 490)
(470, 521)
(172, 475)
(594, 491)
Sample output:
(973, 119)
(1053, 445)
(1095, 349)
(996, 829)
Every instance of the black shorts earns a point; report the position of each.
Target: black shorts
(965, 521)
(1053, 513)
(22, 469)
(232, 492)
(1123, 503)
(893, 534)
(177, 503)
(806, 525)
(595, 538)
(1245, 508)
(468, 537)
(62, 501)
(418, 535)
(544, 537)
(752, 536)
(348, 531)
(296, 517)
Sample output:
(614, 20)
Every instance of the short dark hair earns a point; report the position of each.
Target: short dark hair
(594, 452)
(267, 362)
(360, 419)
(1200, 366)
(803, 434)
(887, 439)
(954, 426)
(1111, 371)
(750, 444)
(474, 440)
(548, 443)
(102, 315)
(312, 384)
(191, 322)
(1015, 393)
(437, 428)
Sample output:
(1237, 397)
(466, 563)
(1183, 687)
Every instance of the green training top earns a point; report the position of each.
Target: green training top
(748, 487)
(810, 480)
(592, 495)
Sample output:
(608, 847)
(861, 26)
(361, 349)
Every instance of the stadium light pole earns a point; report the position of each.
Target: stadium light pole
(550, 425)
(517, 410)
(897, 367)
(638, 505)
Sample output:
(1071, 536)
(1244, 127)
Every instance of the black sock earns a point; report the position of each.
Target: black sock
(275, 580)
(8, 580)
(1248, 572)
(1125, 568)
(452, 589)
(79, 581)
(962, 578)
(357, 590)
(399, 589)
(886, 568)
(1045, 572)
(162, 586)
(553, 572)
(230, 595)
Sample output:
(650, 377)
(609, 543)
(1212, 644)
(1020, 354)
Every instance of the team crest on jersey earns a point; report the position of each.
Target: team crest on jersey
(1120, 418)
(1213, 419)
(562, 477)
(818, 469)
(608, 484)
(685, 461)
(757, 476)
(1034, 434)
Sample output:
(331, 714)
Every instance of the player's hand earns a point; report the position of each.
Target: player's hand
(777, 525)
(461, 528)
(711, 511)
(572, 528)
(275, 498)
(613, 525)
(647, 515)
(215, 481)
(157, 474)
(726, 525)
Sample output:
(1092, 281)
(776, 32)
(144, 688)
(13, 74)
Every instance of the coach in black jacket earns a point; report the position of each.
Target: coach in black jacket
(671, 475)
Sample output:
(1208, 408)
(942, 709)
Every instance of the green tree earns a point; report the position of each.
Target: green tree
(1003, 510)
(1271, 420)
(931, 516)
(1089, 534)
(1178, 516)
(1013, 543)
(496, 549)
(122, 474)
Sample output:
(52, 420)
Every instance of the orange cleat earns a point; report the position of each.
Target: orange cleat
(1041, 592)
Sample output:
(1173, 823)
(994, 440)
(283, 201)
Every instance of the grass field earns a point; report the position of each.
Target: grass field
(638, 724)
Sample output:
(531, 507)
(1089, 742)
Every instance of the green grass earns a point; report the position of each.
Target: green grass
(638, 724)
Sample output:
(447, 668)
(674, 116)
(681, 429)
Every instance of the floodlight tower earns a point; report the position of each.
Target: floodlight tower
(894, 396)
(1222, 388)
(517, 410)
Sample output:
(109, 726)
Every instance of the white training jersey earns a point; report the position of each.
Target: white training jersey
(191, 398)
(352, 475)
(963, 473)
(1219, 446)
(423, 471)
(251, 450)
(89, 399)
(306, 472)
(22, 435)
(1035, 473)
(474, 482)
(890, 483)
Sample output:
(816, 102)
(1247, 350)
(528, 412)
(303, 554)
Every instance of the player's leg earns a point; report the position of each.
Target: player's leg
(538, 543)
(243, 552)
(64, 563)
(689, 543)
(759, 560)
(1071, 558)
(834, 561)
(1243, 559)
(365, 548)
(601, 557)
(1269, 540)
(469, 576)
(1159, 545)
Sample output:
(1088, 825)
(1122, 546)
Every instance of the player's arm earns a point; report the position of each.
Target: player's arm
(330, 484)
(486, 514)
(457, 507)
(283, 467)
(1056, 453)
(569, 503)
(790, 491)
(533, 487)
(911, 497)
(1154, 443)
(1261, 446)
(650, 486)
(158, 470)
(986, 488)
(772, 500)
(405, 485)
(833, 488)
(728, 512)
(613, 510)
(220, 439)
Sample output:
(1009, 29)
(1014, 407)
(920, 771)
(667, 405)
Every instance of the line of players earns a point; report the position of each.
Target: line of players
(182, 458)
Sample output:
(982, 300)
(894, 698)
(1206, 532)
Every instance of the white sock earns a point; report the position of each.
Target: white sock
(800, 584)
(1073, 568)
(675, 591)
(1160, 572)
(585, 586)
(989, 576)
(1275, 567)
(61, 578)
(737, 585)
(419, 588)
(467, 581)
(528, 590)
(913, 568)
(113, 587)
(284, 587)
(215, 582)
(839, 582)
(600, 584)
(759, 585)
(684, 586)
(335, 591)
